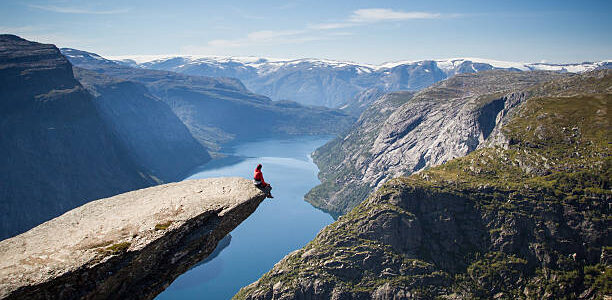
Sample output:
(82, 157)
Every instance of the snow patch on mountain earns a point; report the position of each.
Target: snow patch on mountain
(334, 83)
(265, 65)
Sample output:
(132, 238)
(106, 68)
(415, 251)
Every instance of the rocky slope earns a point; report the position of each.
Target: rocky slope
(130, 246)
(334, 83)
(154, 136)
(217, 110)
(401, 133)
(334, 157)
(527, 217)
(362, 101)
(56, 152)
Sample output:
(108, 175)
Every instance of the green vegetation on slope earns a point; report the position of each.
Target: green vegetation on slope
(402, 133)
(528, 220)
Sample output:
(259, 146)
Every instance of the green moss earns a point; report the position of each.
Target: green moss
(559, 160)
(164, 225)
(115, 248)
(119, 247)
(599, 278)
(555, 284)
(494, 273)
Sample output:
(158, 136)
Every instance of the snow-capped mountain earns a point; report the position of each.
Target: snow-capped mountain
(334, 83)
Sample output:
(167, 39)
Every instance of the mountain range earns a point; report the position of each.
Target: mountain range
(80, 130)
(335, 83)
(220, 109)
(461, 179)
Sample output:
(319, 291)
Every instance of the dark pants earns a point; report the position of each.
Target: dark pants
(266, 189)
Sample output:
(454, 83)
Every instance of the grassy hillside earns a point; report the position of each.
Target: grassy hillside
(526, 219)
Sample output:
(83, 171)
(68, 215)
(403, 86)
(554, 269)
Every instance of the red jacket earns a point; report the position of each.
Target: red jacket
(259, 177)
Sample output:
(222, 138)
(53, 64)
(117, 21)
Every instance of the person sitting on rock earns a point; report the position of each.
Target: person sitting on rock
(259, 182)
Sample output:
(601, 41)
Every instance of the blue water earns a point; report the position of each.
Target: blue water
(279, 225)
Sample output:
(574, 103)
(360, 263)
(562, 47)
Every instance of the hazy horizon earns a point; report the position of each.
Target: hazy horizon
(356, 31)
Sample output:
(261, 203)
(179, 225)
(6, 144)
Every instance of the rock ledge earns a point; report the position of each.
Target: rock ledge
(130, 246)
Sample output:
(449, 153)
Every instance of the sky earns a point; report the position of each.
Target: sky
(349, 30)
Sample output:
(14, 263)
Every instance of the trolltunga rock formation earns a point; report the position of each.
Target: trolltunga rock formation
(130, 246)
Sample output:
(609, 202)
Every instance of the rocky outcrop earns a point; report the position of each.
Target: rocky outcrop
(130, 246)
(525, 219)
(336, 158)
(448, 120)
(56, 152)
(362, 101)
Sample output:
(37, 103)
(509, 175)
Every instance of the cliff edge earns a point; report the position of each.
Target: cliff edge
(524, 218)
(130, 246)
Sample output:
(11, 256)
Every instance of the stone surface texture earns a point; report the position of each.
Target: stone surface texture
(525, 217)
(403, 133)
(130, 246)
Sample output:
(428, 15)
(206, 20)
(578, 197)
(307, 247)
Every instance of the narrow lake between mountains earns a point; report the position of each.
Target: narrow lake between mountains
(278, 227)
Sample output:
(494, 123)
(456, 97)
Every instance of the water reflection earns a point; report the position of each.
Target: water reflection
(279, 225)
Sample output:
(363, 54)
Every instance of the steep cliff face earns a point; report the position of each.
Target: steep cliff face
(448, 120)
(217, 110)
(334, 157)
(130, 246)
(154, 136)
(527, 218)
(55, 151)
(362, 101)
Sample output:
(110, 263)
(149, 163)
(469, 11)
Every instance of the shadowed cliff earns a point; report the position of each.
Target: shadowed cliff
(56, 152)
(63, 143)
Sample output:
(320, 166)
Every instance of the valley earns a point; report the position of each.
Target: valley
(524, 216)
(333, 83)
(464, 178)
(279, 226)
(72, 135)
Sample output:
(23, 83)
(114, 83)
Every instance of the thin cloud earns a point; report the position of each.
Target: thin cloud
(383, 14)
(328, 26)
(272, 34)
(266, 36)
(365, 16)
(75, 10)
(323, 31)
(226, 43)
(288, 5)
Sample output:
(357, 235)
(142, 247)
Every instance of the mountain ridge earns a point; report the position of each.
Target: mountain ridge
(524, 217)
(336, 83)
(216, 109)
(404, 133)
(140, 60)
(56, 152)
